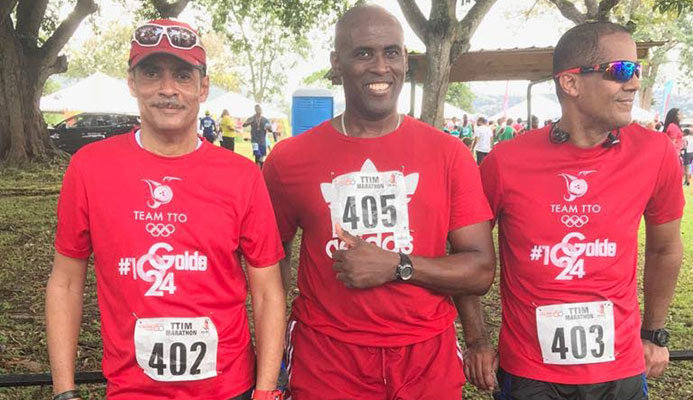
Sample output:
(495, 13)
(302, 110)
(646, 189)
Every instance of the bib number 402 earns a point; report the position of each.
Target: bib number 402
(177, 358)
(578, 342)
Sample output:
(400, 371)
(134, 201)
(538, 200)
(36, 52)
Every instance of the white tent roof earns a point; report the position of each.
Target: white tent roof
(238, 106)
(543, 106)
(96, 93)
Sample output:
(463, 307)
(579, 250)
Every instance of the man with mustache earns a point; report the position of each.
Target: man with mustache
(167, 217)
(568, 200)
(377, 196)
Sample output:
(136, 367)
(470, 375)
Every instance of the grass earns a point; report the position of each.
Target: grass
(27, 223)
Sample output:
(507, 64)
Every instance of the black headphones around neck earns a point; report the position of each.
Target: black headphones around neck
(559, 136)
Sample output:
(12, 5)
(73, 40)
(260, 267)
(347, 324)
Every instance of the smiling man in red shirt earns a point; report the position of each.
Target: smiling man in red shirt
(568, 200)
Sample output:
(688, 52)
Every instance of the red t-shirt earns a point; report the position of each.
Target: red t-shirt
(404, 192)
(568, 233)
(676, 135)
(167, 234)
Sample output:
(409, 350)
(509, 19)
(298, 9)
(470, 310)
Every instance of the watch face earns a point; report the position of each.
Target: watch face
(661, 337)
(405, 272)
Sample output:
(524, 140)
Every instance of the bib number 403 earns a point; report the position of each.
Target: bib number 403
(579, 342)
(177, 358)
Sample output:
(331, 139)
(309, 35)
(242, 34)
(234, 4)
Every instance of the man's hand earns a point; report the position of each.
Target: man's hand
(656, 359)
(363, 265)
(481, 364)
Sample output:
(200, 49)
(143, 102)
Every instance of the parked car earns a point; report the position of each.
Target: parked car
(78, 130)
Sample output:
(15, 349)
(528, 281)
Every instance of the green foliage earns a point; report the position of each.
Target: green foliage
(268, 36)
(675, 6)
(317, 79)
(51, 86)
(460, 95)
(107, 53)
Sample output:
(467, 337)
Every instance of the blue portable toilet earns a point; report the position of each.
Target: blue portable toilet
(309, 108)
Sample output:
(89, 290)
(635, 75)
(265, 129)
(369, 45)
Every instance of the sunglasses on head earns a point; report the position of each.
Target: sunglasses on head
(179, 37)
(619, 71)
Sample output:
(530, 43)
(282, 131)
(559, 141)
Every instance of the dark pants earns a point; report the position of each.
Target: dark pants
(518, 388)
(228, 143)
(209, 137)
(480, 157)
(244, 396)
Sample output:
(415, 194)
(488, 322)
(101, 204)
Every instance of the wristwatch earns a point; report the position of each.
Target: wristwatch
(405, 270)
(660, 337)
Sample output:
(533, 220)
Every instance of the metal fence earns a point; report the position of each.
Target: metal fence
(97, 377)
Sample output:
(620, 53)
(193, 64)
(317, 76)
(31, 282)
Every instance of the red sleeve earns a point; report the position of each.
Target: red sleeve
(287, 219)
(72, 236)
(667, 200)
(259, 240)
(493, 185)
(468, 204)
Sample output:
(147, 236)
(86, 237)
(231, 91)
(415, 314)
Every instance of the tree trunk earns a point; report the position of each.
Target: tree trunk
(647, 87)
(23, 133)
(436, 81)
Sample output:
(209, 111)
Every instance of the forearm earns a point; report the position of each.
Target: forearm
(270, 323)
(468, 272)
(285, 265)
(472, 318)
(660, 275)
(63, 318)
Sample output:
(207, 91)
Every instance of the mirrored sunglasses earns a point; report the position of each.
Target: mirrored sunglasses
(620, 71)
(179, 37)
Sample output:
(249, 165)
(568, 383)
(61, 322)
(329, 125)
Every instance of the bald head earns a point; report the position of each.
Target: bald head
(362, 15)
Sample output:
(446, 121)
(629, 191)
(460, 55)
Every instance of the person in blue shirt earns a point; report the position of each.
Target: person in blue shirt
(208, 127)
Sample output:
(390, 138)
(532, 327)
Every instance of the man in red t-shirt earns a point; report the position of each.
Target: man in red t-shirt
(167, 217)
(377, 196)
(568, 200)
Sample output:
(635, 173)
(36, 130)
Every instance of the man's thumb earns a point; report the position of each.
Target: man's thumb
(345, 236)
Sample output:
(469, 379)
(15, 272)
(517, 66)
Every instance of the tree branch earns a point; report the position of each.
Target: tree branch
(471, 21)
(170, 10)
(6, 9)
(592, 7)
(605, 7)
(67, 28)
(30, 13)
(417, 21)
(569, 11)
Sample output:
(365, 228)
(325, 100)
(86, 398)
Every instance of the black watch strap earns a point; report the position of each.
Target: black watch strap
(660, 337)
(70, 394)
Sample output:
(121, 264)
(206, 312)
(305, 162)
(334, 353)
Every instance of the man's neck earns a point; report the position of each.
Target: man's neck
(169, 143)
(583, 134)
(357, 126)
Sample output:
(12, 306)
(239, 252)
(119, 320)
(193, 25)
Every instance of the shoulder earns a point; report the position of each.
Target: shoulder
(640, 136)
(300, 146)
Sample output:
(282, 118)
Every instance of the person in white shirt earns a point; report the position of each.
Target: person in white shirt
(483, 139)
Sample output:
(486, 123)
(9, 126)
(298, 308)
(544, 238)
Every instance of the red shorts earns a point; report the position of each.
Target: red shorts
(323, 368)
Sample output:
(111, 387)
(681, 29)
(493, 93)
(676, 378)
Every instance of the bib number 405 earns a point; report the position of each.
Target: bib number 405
(368, 211)
(177, 357)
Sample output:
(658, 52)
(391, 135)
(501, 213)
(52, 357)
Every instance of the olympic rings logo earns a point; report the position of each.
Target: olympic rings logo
(575, 221)
(160, 230)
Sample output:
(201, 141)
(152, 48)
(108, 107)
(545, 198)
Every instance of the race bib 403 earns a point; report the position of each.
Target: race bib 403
(176, 349)
(576, 333)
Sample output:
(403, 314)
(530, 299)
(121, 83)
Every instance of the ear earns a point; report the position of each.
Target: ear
(204, 88)
(334, 62)
(131, 83)
(569, 84)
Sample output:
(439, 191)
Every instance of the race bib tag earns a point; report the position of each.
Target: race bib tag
(576, 333)
(371, 203)
(177, 349)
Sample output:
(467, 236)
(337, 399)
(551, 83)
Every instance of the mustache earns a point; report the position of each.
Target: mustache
(171, 103)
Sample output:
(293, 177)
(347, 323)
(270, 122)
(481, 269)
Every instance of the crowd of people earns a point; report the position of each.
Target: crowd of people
(395, 219)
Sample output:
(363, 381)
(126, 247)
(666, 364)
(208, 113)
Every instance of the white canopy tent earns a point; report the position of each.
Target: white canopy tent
(96, 93)
(239, 107)
(545, 107)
